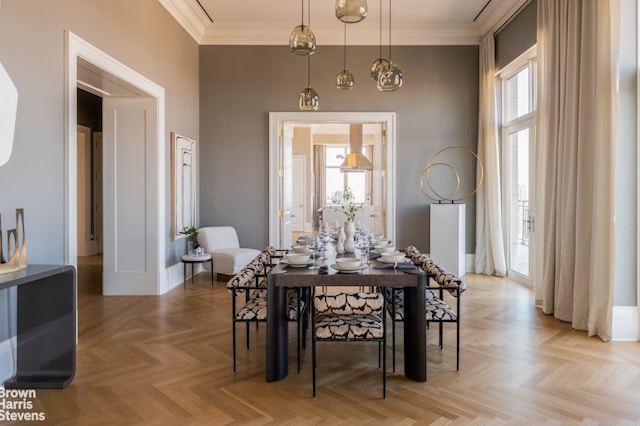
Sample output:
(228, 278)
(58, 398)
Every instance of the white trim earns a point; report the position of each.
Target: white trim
(275, 121)
(519, 63)
(470, 260)
(75, 48)
(625, 324)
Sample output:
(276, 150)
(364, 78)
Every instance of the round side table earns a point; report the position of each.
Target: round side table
(193, 259)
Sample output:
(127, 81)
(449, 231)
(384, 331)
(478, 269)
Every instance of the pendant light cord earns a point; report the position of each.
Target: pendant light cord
(380, 28)
(345, 46)
(302, 24)
(309, 56)
(389, 31)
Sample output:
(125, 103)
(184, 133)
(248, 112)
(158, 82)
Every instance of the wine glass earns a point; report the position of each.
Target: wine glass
(362, 243)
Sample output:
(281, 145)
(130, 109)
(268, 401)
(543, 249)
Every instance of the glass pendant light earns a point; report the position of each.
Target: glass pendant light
(309, 99)
(302, 41)
(390, 76)
(351, 11)
(344, 79)
(377, 65)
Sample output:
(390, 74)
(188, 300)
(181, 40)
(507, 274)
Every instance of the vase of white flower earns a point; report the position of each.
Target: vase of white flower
(347, 204)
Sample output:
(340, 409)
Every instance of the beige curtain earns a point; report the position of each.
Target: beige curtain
(489, 240)
(576, 138)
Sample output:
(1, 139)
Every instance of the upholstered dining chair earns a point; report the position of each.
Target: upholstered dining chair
(350, 316)
(436, 309)
(251, 282)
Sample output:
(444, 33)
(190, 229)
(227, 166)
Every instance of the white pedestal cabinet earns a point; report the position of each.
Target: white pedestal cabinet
(447, 240)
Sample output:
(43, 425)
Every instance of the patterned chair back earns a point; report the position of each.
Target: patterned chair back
(349, 303)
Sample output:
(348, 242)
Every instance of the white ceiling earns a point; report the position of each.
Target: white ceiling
(269, 22)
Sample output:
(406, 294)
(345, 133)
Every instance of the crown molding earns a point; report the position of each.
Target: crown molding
(204, 32)
(327, 36)
(498, 14)
(192, 19)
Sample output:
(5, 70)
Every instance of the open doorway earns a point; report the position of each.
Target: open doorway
(89, 193)
(327, 135)
(133, 196)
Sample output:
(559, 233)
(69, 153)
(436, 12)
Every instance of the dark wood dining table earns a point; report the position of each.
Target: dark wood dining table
(283, 276)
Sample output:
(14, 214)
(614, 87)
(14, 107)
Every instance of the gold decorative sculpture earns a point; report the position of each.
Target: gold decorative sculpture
(16, 252)
(432, 193)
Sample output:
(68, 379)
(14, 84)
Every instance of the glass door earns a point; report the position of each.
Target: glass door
(518, 140)
(519, 214)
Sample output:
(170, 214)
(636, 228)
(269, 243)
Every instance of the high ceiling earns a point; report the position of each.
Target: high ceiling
(269, 22)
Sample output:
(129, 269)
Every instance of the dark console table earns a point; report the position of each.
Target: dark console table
(46, 325)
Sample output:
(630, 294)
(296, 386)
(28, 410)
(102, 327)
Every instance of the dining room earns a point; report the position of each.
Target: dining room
(165, 355)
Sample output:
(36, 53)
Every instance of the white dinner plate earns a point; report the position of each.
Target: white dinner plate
(380, 259)
(350, 270)
(296, 265)
(374, 250)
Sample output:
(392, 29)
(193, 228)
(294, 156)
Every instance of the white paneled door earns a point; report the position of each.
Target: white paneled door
(130, 196)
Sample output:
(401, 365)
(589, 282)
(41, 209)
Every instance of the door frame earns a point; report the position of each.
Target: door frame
(276, 121)
(305, 207)
(75, 48)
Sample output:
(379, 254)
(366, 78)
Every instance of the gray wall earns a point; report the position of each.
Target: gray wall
(517, 36)
(240, 85)
(140, 34)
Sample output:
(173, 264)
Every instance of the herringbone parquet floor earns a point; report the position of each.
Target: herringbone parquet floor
(167, 360)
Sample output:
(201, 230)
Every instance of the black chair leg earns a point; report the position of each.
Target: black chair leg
(247, 335)
(393, 345)
(298, 341)
(313, 361)
(384, 369)
(234, 346)
(458, 345)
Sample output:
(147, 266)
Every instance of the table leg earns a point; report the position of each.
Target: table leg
(211, 261)
(185, 274)
(277, 332)
(415, 332)
(192, 276)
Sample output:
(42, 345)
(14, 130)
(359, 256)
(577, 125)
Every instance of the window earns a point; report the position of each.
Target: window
(518, 147)
(336, 180)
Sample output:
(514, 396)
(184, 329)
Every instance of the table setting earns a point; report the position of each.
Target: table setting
(319, 252)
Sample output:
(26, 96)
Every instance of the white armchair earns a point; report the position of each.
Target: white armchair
(223, 245)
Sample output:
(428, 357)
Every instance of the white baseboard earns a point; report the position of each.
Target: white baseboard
(470, 266)
(173, 277)
(7, 359)
(625, 324)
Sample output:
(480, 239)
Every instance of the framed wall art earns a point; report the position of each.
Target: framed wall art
(183, 184)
